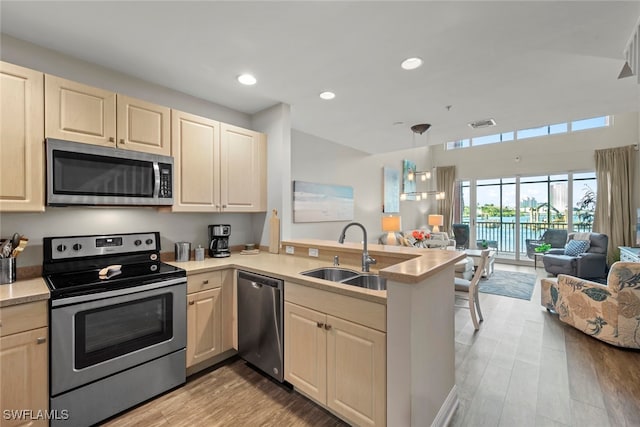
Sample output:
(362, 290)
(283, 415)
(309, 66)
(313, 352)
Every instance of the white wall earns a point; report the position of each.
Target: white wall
(28, 55)
(276, 123)
(173, 227)
(317, 160)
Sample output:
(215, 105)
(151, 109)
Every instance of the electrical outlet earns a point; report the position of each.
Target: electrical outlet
(289, 249)
(313, 252)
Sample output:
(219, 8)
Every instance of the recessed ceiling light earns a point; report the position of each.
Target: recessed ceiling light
(411, 63)
(327, 95)
(247, 79)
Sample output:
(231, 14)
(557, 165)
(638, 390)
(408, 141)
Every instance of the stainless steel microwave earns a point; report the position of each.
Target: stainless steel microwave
(84, 174)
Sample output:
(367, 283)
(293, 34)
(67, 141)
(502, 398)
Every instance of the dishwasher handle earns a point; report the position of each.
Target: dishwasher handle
(257, 281)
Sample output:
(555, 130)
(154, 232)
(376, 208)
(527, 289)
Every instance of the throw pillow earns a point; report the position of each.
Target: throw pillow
(576, 247)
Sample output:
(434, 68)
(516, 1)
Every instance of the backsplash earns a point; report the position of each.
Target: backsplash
(173, 227)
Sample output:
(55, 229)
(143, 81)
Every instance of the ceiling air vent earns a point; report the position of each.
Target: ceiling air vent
(482, 123)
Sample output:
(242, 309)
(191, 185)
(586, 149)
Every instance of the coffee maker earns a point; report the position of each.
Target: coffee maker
(219, 240)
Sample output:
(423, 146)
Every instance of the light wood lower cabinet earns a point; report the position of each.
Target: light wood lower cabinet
(24, 364)
(336, 362)
(21, 139)
(209, 315)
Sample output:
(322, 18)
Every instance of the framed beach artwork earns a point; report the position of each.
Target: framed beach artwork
(391, 190)
(408, 186)
(314, 202)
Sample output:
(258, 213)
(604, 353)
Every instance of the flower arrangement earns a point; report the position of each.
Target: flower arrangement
(419, 237)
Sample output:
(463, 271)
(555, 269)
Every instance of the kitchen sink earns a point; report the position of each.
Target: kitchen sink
(335, 274)
(369, 281)
(348, 277)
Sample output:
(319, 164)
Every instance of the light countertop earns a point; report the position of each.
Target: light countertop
(401, 264)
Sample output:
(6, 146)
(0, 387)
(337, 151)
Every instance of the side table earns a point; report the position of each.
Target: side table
(537, 255)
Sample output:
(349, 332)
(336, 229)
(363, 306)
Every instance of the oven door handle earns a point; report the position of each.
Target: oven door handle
(117, 292)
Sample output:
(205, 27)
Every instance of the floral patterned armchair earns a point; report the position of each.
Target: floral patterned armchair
(610, 312)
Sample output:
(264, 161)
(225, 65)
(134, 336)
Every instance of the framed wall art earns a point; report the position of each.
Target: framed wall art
(314, 202)
(391, 190)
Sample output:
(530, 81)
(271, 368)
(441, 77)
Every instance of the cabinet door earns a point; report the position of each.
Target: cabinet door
(195, 147)
(204, 325)
(143, 126)
(24, 373)
(243, 169)
(21, 139)
(356, 372)
(305, 351)
(78, 112)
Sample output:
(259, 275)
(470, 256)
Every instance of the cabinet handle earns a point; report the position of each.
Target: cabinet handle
(121, 140)
(191, 302)
(320, 324)
(41, 340)
(327, 326)
(111, 139)
(224, 206)
(205, 282)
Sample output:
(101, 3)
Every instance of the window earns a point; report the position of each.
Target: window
(545, 130)
(494, 213)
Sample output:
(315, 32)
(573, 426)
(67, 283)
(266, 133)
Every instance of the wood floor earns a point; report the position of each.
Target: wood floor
(523, 368)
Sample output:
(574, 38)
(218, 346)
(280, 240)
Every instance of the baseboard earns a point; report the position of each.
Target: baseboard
(448, 408)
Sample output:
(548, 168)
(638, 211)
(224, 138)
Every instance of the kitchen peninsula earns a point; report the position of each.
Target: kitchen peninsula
(415, 315)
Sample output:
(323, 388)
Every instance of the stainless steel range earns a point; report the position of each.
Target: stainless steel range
(117, 324)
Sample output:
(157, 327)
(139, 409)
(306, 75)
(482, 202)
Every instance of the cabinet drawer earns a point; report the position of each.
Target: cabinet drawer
(23, 317)
(363, 312)
(203, 281)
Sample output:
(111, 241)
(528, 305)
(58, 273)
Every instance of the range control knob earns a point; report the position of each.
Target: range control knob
(149, 241)
(77, 247)
(61, 248)
(138, 242)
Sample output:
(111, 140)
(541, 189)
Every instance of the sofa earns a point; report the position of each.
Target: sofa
(591, 263)
(610, 313)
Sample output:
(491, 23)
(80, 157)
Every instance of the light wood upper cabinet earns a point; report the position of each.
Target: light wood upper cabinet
(243, 171)
(24, 361)
(195, 147)
(217, 167)
(143, 126)
(81, 113)
(21, 139)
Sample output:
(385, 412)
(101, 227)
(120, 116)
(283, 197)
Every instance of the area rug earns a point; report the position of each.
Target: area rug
(509, 284)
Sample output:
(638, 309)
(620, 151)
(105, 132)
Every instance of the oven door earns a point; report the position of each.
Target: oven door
(102, 334)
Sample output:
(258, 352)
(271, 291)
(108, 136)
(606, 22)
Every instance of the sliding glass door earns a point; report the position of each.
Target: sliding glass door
(505, 212)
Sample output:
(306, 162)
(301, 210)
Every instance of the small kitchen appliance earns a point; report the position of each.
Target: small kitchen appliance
(117, 320)
(219, 240)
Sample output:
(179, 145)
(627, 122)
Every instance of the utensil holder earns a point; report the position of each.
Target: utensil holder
(7, 271)
(183, 251)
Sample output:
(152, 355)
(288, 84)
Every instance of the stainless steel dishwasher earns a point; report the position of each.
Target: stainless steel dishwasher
(260, 322)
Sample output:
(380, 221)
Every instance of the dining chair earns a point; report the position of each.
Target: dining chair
(471, 286)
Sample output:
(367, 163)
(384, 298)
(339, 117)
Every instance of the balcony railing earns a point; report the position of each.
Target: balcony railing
(503, 233)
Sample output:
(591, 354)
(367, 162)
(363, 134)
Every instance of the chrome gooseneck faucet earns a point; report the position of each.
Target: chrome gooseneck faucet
(366, 259)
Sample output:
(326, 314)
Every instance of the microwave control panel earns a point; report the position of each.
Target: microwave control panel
(165, 181)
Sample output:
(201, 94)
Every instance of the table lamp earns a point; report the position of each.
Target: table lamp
(436, 221)
(391, 225)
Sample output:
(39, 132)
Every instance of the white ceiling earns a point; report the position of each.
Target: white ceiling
(522, 63)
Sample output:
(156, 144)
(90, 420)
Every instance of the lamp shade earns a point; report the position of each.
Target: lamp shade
(436, 221)
(391, 224)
